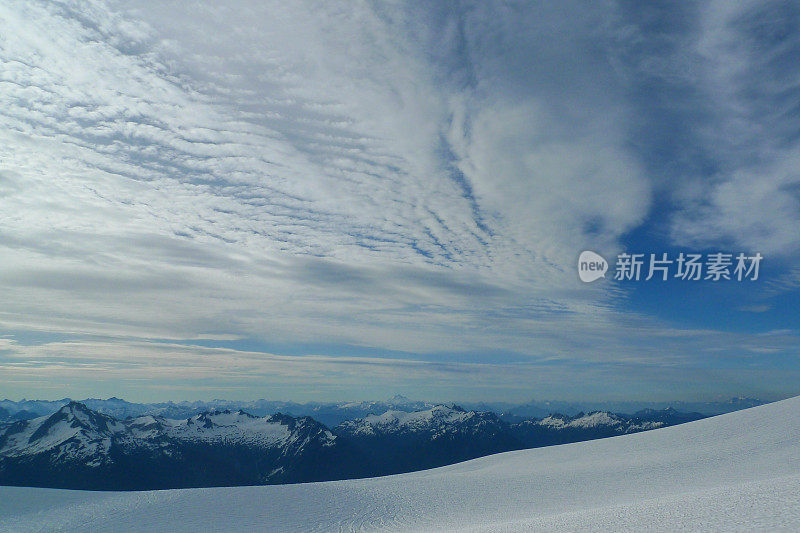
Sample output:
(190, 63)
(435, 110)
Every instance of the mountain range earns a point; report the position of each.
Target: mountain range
(78, 447)
(334, 413)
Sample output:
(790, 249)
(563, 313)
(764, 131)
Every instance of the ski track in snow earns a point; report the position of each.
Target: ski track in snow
(734, 472)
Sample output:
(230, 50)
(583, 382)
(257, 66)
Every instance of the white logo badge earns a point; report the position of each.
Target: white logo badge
(591, 266)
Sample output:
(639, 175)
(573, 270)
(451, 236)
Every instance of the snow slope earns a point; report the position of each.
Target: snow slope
(734, 472)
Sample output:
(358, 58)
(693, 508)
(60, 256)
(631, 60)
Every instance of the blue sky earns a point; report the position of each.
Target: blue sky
(351, 200)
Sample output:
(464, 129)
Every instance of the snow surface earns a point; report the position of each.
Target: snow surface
(734, 472)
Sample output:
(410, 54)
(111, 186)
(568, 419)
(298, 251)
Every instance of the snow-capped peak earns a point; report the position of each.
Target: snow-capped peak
(433, 419)
(398, 399)
(74, 430)
(437, 414)
(590, 420)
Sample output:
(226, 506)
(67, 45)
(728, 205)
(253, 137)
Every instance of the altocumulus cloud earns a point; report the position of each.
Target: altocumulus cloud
(401, 177)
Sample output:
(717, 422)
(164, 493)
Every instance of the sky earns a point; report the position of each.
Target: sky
(350, 200)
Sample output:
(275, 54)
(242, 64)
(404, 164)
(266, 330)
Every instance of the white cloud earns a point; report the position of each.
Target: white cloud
(743, 65)
(410, 178)
(148, 132)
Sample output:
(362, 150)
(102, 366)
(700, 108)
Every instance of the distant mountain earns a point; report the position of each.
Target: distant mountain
(397, 441)
(330, 414)
(334, 413)
(77, 447)
(562, 429)
(26, 409)
(668, 416)
(515, 413)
